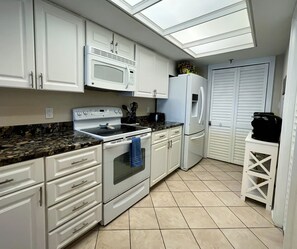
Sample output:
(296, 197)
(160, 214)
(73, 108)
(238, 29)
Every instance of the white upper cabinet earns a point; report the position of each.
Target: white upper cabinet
(16, 44)
(152, 75)
(106, 40)
(59, 48)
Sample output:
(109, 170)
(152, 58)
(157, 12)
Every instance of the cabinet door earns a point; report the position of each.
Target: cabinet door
(161, 77)
(16, 44)
(123, 47)
(99, 37)
(145, 72)
(159, 161)
(174, 154)
(59, 48)
(24, 217)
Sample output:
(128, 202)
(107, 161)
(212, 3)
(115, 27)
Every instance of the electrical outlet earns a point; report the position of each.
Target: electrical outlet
(49, 112)
(148, 109)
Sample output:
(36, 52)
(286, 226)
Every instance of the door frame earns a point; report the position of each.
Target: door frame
(240, 63)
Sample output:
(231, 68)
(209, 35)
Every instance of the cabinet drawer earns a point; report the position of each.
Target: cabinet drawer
(74, 161)
(73, 229)
(20, 175)
(68, 186)
(159, 136)
(74, 206)
(176, 131)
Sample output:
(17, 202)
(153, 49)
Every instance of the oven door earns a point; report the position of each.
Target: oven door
(118, 175)
(109, 74)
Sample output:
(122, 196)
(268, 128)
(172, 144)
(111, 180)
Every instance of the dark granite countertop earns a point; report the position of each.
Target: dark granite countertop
(160, 126)
(21, 143)
(155, 126)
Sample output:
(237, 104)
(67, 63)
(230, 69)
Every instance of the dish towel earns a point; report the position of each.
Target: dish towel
(135, 152)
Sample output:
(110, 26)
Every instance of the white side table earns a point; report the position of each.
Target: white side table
(259, 170)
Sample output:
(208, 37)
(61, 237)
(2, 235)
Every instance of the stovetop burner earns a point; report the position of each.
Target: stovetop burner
(112, 130)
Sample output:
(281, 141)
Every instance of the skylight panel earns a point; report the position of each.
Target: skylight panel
(133, 2)
(168, 13)
(199, 27)
(231, 25)
(223, 46)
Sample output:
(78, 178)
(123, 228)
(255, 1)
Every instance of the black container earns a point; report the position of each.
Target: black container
(267, 127)
(158, 117)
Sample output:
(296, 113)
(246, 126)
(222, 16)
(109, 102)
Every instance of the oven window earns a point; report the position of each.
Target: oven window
(108, 73)
(122, 169)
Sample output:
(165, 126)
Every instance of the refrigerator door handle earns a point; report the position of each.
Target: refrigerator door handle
(195, 138)
(202, 106)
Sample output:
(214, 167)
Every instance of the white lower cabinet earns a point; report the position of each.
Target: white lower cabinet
(73, 229)
(74, 194)
(166, 153)
(22, 209)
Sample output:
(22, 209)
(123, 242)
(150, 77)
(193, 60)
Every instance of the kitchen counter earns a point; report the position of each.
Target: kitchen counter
(26, 142)
(160, 126)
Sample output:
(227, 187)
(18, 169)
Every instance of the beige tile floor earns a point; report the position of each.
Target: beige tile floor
(197, 209)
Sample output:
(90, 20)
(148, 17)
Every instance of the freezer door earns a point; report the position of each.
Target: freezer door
(193, 149)
(196, 103)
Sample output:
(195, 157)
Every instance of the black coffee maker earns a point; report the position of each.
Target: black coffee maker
(266, 126)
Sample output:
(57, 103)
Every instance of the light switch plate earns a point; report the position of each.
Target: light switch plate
(49, 112)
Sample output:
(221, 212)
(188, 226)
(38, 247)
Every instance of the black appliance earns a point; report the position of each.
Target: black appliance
(158, 117)
(266, 126)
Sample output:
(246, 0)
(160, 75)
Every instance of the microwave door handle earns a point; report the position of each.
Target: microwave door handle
(202, 104)
(129, 76)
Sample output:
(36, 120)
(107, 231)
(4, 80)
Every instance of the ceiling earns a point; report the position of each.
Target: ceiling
(272, 19)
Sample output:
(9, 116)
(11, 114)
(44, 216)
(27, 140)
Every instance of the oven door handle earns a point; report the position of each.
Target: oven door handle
(113, 144)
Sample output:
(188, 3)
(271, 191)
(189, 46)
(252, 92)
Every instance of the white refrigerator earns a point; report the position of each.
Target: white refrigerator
(186, 103)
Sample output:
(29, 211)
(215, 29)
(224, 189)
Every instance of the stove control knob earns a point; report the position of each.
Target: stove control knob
(115, 111)
(120, 112)
(85, 113)
(79, 114)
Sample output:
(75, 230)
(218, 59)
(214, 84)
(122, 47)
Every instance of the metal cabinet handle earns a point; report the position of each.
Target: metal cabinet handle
(176, 132)
(79, 184)
(80, 161)
(168, 147)
(7, 181)
(116, 48)
(41, 80)
(32, 79)
(111, 47)
(162, 136)
(78, 229)
(170, 143)
(155, 93)
(40, 197)
(81, 206)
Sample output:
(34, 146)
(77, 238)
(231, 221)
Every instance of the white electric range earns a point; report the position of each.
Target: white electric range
(123, 185)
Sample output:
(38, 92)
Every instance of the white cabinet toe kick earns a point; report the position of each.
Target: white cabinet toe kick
(121, 203)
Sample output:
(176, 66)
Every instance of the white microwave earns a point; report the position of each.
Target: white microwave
(106, 70)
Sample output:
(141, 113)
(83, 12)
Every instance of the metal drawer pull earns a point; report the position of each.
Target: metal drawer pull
(176, 132)
(32, 79)
(81, 206)
(41, 80)
(7, 181)
(80, 161)
(78, 229)
(79, 184)
(162, 136)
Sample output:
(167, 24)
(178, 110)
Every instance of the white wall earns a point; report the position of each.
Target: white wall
(18, 106)
(287, 140)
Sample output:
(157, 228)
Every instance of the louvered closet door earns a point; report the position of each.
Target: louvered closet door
(236, 94)
(222, 113)
(251, 97)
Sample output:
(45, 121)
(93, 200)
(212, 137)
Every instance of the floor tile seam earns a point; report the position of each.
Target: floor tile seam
(258, 238)
(224, 202)
(259, 214)
(264, 216)
(226, 238)
(96, 241)
(221, 227)
(130, 238)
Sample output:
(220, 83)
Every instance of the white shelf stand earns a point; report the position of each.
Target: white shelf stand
(259, 170)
